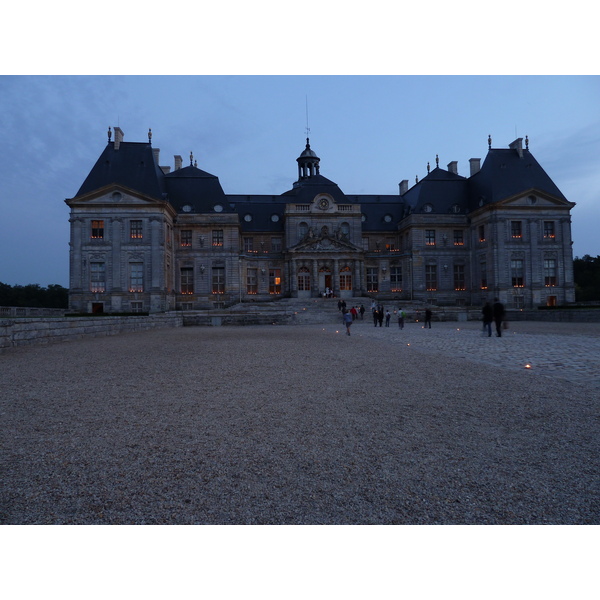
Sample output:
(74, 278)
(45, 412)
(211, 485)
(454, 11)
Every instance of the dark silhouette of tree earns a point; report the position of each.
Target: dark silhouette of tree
(586, 273)
(34, 296)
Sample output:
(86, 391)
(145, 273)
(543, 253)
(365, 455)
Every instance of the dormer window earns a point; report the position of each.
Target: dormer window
(428, 208)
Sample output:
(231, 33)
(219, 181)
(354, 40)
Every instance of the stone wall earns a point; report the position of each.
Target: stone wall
(30, 331)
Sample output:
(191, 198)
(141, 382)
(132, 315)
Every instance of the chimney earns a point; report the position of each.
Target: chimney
(178, 162)
(403, 187)
(166, 170)
(475, 165)
(156, 152)
(518, 146)
(453, 167)
(118, 137)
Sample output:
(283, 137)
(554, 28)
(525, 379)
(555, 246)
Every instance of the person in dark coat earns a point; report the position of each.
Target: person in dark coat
(427, 319)
(380, 316)
(488, 316)
(498, 312)
(362, 311)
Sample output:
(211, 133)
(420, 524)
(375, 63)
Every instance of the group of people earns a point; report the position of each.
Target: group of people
(493, 313)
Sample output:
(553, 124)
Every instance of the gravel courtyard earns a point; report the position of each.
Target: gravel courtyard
(290, 425)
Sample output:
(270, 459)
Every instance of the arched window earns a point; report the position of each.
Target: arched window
(345, 228)
(345, 279)
(302, 230)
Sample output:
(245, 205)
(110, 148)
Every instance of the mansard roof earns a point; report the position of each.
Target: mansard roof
(193, 187)
(307, 188)
(441, 190)
(259, 212)
(505, 173)
(132, 165)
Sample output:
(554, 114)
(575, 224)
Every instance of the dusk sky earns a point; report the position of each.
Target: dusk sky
(369, 131)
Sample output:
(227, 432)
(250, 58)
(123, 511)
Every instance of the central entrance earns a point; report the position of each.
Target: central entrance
(325, 280)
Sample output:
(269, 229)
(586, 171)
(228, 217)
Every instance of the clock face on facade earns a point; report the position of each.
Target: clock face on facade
(323, 203)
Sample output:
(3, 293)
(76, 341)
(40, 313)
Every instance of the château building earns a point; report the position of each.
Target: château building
(148, 238)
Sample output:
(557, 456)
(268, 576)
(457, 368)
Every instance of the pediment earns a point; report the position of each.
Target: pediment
(534, 199)
(325, 243)
(114, 195)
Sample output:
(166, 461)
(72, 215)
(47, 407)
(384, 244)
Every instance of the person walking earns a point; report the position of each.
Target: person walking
(401, 316)
(380, 310)
(498, 313)
(375, 317)
(488, 316)
(388, 316)
(354, 313)
(362, 311)
(347, 316)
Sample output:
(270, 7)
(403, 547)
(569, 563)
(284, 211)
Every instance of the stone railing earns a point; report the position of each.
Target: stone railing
(38, 331)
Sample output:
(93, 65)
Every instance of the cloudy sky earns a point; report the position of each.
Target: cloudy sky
(369, 131)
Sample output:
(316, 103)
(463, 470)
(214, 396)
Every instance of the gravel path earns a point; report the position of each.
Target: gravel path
(291, 425)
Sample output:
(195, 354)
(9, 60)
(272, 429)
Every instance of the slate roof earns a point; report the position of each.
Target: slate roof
(306, 189)
(504, 174)
(131, 166)
(194, 187)
(441, 189)
(261, 210)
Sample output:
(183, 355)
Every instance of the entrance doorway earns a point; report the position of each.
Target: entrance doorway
(97, 308)
(325, 280)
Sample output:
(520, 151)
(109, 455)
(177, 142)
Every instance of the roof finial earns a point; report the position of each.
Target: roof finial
(307, 127)
(526, 142)
(191, 159)
(196, 164)
(427, 166)
(437, 161)
(109, 133)
(150, 136)
(489, 142)
(416, 179)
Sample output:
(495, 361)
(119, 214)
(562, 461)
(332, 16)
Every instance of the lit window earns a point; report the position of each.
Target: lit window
(186, 237)
(97, 230)
(97, 277)
(136, 277)
(459, 277)
(549, 229)
(516, 270)
(483, 275)
(345, 279)
(430, 237)
(431, 277)
(135, 230)
(274, 281)
(251, 281)
(396, 279)
(218, 280)
(549, 272)
(372, 279)
(458, 237)
(217, 237)
(515, 229)
(482, 233)
(187, 280)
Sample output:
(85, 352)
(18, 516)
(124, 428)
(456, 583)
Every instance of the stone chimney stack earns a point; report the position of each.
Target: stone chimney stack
(403, 187)
(118, 137)
(453, 167)
(166, 170)
(156, 153)
(178, 162)
(475, 165)
(518, 146)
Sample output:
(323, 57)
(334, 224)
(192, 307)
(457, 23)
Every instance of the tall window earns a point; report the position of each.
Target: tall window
(516, 272)
(186, 237)
(483, 275)
(516, 230)
(458, 237)
(550, 272)
(482, 233)
(372, 279)
(97, 230)
(97, 277)
(187, 280)
(217, 237)
(431, 277)
(345, 229)
(430, 237)
(396, 279)
(136, 277)
(251, 281)
(218, 280)
(459, 277)
(248, 244)
(365, 243)
(274, 281)
(346, 279)
(549, 230)
(302, 230)
(303, 279)
(135, 229)
(276, 244)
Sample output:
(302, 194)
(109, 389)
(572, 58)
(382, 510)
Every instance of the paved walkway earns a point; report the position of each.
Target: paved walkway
(569, 351)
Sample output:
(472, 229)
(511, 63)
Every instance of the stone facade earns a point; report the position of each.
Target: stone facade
(145, 238)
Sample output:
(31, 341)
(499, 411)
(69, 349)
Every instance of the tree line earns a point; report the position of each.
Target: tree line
(586, 272)
(34, 296)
